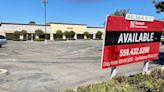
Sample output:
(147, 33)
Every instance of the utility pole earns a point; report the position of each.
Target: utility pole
(45, 2)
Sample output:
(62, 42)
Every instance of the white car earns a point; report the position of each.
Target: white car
(3, 40)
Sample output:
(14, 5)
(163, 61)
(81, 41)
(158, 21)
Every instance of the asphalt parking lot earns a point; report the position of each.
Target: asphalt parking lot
(53, 67)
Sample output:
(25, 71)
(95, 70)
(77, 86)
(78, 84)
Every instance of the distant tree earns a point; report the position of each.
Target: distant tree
(121, 12)
(86, 34)
(23, 35)
(159, 6)
(23, 32)
(39, 32)
(72, 34)
(16, 35)
(32, 22)
(67, 34)
(59, 34)
(99, 35)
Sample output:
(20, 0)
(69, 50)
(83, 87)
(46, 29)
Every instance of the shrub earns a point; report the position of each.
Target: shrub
(59, 34)
(138, 78)
(40, 39)
(87, 34)
(67, 34)
(99, 35)
(137, 83)
(72, 34)
(23, 32)
(16, 36)
(120, 79)
(157, 74)
(107, 86)
(39, 32)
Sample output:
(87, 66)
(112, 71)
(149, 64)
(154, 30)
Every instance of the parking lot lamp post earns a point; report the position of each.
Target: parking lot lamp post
(45, 18)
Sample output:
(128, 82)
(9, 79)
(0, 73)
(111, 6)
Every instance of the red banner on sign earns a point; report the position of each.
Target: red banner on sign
(121, 24)
(130, 41)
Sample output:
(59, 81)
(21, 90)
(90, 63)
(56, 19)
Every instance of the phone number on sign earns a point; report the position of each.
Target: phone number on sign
(134, 51)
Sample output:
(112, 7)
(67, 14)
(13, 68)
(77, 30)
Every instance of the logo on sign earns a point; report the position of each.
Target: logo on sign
(136, 24)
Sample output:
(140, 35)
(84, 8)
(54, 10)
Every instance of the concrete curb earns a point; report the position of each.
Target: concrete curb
(3, 72)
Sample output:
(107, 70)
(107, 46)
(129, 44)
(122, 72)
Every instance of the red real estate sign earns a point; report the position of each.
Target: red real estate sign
(130, 41)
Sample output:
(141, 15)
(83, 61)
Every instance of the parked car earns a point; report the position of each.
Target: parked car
(3, 40)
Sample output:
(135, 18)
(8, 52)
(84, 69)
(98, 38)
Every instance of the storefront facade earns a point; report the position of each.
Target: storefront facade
(7, 29)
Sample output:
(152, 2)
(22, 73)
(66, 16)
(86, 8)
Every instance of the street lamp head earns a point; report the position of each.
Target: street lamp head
(45, 1)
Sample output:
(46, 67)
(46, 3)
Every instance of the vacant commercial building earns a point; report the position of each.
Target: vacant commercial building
(93, 30)
(79, 29)
(8, 29)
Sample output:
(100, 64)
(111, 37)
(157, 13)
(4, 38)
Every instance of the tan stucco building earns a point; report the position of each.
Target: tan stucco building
(79, 29)
(7, 29)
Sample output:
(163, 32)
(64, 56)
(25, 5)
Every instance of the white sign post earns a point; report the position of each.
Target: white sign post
(117, 51)
(145, 67)
(113, 72)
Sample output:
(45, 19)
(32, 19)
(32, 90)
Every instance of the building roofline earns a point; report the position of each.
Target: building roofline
(22, 24)
(95, 27)
(65, 23)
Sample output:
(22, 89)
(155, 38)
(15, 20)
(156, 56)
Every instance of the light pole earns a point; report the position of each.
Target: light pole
(45, 18)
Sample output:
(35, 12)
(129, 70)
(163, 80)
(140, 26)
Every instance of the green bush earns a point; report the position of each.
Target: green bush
(16, 35)
(99, 35)
(59, 34)
(157, 74)
(120, 79)
(107, 86)
(138, 78)
(69, 35)
(72, 34)
(137, 83)
(39, 32)
(87, 34)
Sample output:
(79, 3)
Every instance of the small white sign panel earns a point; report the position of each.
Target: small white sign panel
(139, 17)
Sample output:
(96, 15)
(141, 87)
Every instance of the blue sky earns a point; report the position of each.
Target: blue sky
(90, 12)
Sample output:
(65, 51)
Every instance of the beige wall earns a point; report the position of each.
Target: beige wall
(78, 29)
(93, 30)
(11, 28)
